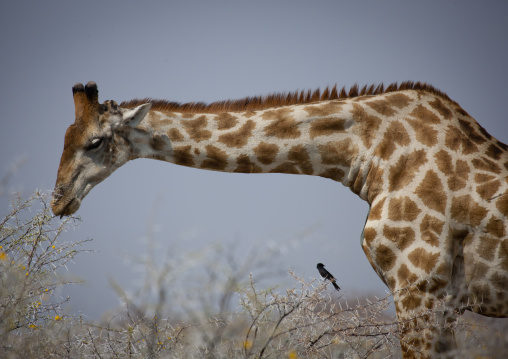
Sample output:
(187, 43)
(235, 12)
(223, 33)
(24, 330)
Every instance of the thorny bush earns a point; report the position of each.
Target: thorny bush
(168, 319)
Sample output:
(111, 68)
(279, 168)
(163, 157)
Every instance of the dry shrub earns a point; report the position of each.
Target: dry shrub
(204, 304)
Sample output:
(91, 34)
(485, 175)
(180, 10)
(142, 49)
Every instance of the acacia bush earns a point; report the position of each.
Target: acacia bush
(203, 304)
(31, 256)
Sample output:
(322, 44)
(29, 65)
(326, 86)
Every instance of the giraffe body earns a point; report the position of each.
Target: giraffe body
(435, 180)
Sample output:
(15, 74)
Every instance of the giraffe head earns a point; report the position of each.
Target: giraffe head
(95, 145)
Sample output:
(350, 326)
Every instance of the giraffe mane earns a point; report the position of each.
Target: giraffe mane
(282, 99)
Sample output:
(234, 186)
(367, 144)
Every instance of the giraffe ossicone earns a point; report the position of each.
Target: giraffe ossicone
(435, 180)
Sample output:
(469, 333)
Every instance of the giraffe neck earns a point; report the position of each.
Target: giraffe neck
(328, 139)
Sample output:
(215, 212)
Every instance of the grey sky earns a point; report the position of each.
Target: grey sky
(206, 51)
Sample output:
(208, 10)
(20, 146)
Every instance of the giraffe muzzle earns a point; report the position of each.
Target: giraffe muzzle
(62, 204)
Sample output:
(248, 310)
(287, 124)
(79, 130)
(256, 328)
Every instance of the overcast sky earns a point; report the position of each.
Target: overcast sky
(216, 50)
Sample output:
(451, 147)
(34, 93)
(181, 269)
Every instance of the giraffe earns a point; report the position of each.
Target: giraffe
(436, 182)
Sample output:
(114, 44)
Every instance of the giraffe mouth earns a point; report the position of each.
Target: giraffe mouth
(71, 207)
(66, 208)
(62, 204)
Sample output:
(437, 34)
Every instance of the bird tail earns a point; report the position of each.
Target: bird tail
(335, 285)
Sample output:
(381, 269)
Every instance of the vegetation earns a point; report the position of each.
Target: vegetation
(226, 315)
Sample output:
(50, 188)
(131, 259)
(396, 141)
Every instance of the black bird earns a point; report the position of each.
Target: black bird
(327, 275)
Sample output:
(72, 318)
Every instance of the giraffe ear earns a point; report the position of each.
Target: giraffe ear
(132, 117)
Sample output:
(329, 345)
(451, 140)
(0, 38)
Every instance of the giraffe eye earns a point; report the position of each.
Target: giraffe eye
(95, 144)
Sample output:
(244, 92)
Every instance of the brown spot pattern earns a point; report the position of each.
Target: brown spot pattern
(423, 114)
(175, 135)
(403, 172)
(366, 250)
(411, 301)
(382, 107)
(403, 209)
(456, 140)
(424, 132)
(326, 109)
(502, 254)
(376, 211)
(183, 156)
(385, 258)
(249, 114)
(266, 152)
(216, 159)
(488, 185)
(405, 276)
(494, 152)
(423, 259)
(300, 157)
(431, 192)
(358, 183)
(374, 183)
(157, 143)
(467, 211)
(443, 271)
(335, 174)
(282, 125)
(481, 292)
(245, 165)
(458, 172)
(431, 229)
(240, 137)
(286, 167)
(196, 129)
(326, 126)
(225, 121)
(156, 122)
(369, 234)
(487, 247)
(443, 110)
(395, 134)
(338, 153)
(502, 204)
(500, 281)
(484, 164)
(503, 146)
(399, 100)
(367, 125)
(402, 237)
(496, 227)
(470, 132)
(480, 270)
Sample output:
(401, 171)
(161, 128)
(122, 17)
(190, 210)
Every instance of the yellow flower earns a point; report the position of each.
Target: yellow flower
(3, 256)
(293, 355)
(247, 344)
(58, 317)
(32, 326)
(53, 247)
(46, 289)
